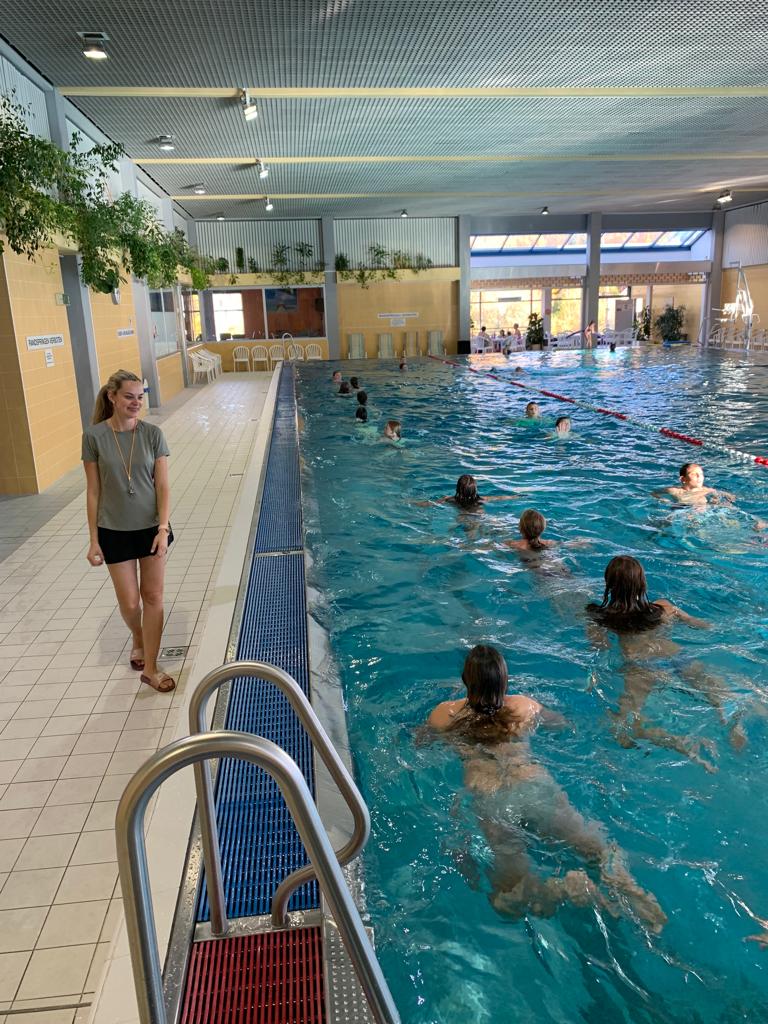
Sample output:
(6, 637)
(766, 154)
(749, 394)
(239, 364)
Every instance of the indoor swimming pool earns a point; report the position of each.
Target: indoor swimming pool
(407, 586)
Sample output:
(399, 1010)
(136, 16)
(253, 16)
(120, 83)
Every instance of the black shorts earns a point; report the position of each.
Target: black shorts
(127, 545)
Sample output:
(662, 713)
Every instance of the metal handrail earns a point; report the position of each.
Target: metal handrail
(134, 872)
(321, 741)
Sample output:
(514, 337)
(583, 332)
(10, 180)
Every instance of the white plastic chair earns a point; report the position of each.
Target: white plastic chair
(241, 354)
(207, 354)
(259, 354)
(356, 346)
(386, 346)
(294, 352)
(313, 351)
(276, 353)
(201, 368)
(412, 344)
(435, 345)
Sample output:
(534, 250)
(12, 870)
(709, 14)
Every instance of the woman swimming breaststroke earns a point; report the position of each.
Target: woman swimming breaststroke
(514, 796)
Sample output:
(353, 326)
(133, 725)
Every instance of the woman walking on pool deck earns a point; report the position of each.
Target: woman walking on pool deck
(516, 798)
(128, 503)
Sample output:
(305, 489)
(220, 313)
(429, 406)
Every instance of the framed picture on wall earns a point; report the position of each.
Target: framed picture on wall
(281, 300)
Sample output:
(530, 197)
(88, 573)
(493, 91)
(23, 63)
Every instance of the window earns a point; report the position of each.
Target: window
(193, 324)
(500, 310)
(611, 241)
(566, 310)
(165, 327)
(228, 321)
(296, 311)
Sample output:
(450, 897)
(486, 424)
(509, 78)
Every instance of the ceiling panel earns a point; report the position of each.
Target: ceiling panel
(396, 43)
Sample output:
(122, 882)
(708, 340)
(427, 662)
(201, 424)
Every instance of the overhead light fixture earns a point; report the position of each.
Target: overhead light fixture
(403, 213)
(268, 204)
(250, 110)
(165, 142)
(220, 216)
(263, 169)
(199, 190)
(93, 45)
(725, 197)
(545, 211)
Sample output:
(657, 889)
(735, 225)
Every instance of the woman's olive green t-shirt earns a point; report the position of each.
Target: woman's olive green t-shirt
(119, 510)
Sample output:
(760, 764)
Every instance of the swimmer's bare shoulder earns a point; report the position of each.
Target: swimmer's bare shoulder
(526, 710)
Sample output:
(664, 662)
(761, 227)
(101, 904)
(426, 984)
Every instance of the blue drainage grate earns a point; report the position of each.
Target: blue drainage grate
(259, 844)
(280, 519)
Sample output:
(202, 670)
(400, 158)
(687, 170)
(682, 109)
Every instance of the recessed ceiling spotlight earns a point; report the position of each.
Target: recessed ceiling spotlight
(545, 211)
(403, 213)
(250, 110)
(165, 142)
(725, 197)
(199, 190)
(263, 169)
(268, 204)
(93, 45)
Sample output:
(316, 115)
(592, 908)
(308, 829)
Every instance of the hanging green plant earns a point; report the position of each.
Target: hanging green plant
(46, 191)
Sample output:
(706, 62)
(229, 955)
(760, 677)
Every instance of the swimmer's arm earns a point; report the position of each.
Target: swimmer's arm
(664, 494)
(677, 613)
(432, 501)
(597, 636)
(502, 497)
(579, 542)
(549, 719)
(761, 939)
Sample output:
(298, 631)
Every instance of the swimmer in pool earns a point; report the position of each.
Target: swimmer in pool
(361, 414)
(562, 429)
(532, 524)
(336, 378)
(393, 432)
(515, 797)
(627, 611)
(533, 411)
(467, 496)
(691, 489)
(344, 388)
(362, 398)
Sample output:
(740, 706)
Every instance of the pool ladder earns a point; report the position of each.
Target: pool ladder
(325, 864)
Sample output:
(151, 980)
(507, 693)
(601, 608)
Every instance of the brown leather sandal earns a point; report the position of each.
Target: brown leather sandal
(136, 659)
(163, 683)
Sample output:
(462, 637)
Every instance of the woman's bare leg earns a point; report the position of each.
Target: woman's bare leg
(151, 587)
(126, 584)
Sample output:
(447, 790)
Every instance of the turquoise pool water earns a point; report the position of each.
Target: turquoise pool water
(407, 590)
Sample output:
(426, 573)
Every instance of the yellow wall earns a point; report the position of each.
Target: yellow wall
(225, 349)
(170, 376)
(114, 353)
(432, 294)
(40, 402)
(757, 279)
(688, 295)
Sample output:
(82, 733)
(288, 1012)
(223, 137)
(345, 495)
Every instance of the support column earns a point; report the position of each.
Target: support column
(465, 278)
(331, 290)
(546, 310)
(591, 295)
(714, 289)
(81, 333)
(206, 316)
(57, 118)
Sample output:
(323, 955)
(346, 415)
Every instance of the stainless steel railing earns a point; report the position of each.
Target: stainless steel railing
(320, 740)
(134, 873)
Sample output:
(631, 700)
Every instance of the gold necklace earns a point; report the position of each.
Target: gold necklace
(127, 468)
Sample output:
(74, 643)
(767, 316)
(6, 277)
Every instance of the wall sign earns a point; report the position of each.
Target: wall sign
(125, 332)
(389, 316)
(36, 341)
(49, 357)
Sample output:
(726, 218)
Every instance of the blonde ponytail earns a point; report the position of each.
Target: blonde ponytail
(102, 410)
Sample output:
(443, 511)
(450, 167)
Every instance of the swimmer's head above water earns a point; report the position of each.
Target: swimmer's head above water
(691, 476)
(486, 678)
(354, 383)
(361, 414)
(344, 388)
(336, 378)
(532, 411)
(532, 525)
(466, 491)
(625, 599)
(563, 425)
(362, 397)
(392, 430)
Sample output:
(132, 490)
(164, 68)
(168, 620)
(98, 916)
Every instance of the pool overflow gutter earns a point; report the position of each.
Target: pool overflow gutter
(724, 449)
(316, 965)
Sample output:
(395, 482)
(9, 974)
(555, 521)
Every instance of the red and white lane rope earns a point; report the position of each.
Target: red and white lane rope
(733, 453)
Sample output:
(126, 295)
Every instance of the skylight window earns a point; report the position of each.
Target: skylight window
(551, 241)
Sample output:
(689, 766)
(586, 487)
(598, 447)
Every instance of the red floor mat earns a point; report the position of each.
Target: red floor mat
(272, 978)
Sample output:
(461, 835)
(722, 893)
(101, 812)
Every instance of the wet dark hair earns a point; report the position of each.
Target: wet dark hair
(625, 606)
(532, 525)
(362, 397)
(685, 467)
(355, 383)
(344, 388)
(402, 364)
(485, 718)
(562, 419)
(361, 413)
(466, 491)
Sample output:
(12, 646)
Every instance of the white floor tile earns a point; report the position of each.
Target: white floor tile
(52, 746)
(25, 794)
(80, 766)
(18, 824)
(9, 853)
(83, 882)
(95, 847)
(12, 967)
(73, 791)
(97, 743)
(46, 852)
(73, 923)
(101, 816)
(30, 888)
(40, 769)
(57, 820)
(56, 972)
(19, 929)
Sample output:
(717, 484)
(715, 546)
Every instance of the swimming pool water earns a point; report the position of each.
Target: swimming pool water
(406, 590)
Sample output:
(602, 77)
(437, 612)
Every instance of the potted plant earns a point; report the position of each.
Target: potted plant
(669, 324)
(534, 337)
(240, 259)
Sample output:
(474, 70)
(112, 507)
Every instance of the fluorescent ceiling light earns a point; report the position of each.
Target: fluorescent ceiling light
(199, 190)
(93, 45)
(725, 197)
(250, 110)
(166, 143)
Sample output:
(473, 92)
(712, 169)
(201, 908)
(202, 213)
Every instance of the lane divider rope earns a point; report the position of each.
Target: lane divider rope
(733, 453)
